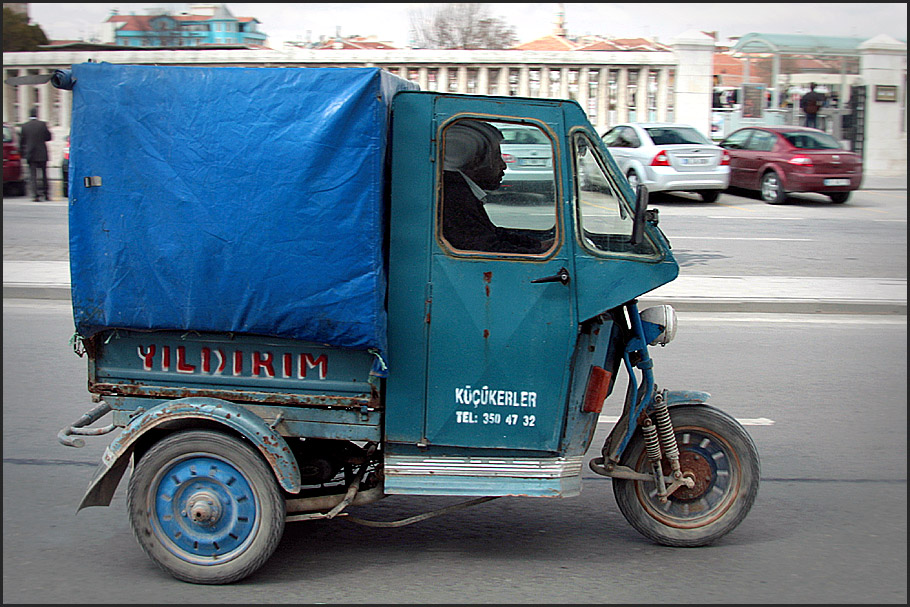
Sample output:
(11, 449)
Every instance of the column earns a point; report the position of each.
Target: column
(603, 99)
(442, 79)
(544, 82)
(641, 94)
(423, 79)
(483, 80)
(583, 88)
(524, 81)
(564, 83)
(462, 83)
(504, 80)
(622, 95)
(663, 90)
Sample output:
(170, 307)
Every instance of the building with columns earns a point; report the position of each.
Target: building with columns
(613, 81)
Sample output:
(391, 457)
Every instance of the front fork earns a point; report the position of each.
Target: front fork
(644, 402)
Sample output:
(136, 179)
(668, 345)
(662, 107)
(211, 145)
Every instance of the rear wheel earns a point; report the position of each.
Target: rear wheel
(709, 195)
(772, 188)
(205, 507)
(634, 181)
(724, 462)
(839, 197)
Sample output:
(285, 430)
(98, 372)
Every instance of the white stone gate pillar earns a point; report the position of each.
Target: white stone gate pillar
(883, 66)
(694, 79)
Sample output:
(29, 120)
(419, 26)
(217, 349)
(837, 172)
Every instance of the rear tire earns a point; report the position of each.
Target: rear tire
(634, 181)
(772, 188)
(205, 507)
(721, 455)
(839, 197)
(709, 195)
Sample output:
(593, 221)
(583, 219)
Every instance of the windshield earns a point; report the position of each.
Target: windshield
(811, 141)
(671, 135)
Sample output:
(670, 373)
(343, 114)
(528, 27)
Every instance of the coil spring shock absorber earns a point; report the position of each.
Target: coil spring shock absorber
(652, 448)
(667, 443)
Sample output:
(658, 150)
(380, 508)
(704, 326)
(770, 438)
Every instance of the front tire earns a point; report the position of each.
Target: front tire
(716, 449)
(772, 188)
(205, 507)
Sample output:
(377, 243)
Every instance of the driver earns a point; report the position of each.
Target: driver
(472, 166)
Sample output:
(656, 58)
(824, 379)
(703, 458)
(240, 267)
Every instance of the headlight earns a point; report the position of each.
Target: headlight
(664, 317)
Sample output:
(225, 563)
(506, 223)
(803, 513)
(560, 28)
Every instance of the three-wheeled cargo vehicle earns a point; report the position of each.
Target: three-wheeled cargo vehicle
(284, 314)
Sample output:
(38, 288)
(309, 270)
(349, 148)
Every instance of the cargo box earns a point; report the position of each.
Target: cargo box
(233, 200)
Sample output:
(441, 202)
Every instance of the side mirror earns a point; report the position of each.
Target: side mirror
(641, 208)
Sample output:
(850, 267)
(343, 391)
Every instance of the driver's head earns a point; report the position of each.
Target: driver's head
(472, 147)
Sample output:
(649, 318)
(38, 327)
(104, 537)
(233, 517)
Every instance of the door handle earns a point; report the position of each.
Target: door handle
(561, 276)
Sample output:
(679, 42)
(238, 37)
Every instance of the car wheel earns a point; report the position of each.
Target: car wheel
(772, 189)
(634, 181)
(709, 195)
(839, 197)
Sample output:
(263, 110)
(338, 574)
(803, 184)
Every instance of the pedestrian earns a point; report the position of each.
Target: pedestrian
(33, 147)
(810, 104)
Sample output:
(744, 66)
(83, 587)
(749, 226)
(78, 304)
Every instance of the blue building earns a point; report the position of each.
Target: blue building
(204, 25)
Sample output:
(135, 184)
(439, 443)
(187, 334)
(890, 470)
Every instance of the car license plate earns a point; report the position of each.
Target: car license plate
(694, 161)
(533, 162)
(836, 182)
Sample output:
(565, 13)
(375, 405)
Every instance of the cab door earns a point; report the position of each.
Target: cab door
(501, 324)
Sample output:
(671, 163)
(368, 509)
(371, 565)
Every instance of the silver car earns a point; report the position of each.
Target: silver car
(669, 157)
(528, 154)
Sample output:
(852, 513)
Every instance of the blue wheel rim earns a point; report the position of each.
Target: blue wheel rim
(203, 509)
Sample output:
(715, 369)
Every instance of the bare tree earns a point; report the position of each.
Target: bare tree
(460, 26)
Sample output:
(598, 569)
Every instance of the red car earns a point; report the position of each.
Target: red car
(777, 160)
(13, 182)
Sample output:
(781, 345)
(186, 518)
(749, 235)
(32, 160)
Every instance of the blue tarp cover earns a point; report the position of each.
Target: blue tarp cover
(245, 200)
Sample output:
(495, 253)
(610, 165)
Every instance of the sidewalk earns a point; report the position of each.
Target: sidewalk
(792, 294)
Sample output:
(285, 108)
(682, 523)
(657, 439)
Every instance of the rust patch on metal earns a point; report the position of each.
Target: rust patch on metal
(486, 333)
(487, 278)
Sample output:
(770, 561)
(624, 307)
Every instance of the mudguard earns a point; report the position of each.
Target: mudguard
(272, 445)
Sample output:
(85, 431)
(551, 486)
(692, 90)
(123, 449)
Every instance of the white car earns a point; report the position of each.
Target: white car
(528, 154)
(669, 157)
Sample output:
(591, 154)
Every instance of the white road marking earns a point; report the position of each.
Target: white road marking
(741, 238)
(746, 421)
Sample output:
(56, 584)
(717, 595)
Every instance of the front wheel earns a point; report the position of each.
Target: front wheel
(724, 462)
(205, 507)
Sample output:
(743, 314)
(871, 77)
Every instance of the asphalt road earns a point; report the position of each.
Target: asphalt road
(824, 398)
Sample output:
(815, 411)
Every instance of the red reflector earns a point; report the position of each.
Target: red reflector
(596, 392)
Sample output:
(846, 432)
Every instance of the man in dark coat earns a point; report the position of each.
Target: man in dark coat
(811, 103)
(473, 165)
(32, 144)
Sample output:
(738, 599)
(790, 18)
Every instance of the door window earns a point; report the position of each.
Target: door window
(605, 218)
(762, 141)
(737, 141)
(498, 188)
